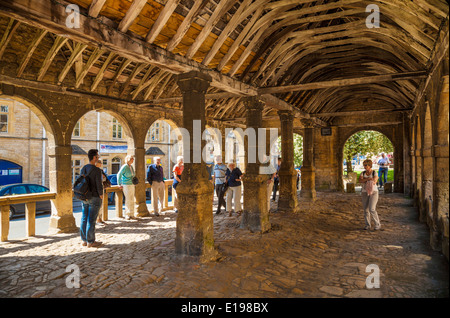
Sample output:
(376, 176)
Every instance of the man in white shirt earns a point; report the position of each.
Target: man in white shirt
(219, 181)
(383, 164)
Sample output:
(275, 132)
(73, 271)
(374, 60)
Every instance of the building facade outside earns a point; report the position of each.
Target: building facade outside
(23, 144)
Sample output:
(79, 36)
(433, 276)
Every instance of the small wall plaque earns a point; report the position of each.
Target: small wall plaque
(326, 131)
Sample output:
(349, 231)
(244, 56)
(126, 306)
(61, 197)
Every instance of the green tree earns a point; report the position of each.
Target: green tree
(366, 142)
(298, 149)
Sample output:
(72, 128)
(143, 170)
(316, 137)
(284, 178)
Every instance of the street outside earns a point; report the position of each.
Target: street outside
(17, 230)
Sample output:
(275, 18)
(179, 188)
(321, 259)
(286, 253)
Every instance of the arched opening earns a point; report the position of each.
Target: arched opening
(22, 122)
(367, 144)
(298, 154)
(103, 130)
(25, 136)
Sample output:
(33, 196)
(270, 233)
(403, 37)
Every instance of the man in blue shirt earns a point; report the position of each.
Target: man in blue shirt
(383, 169)
(155, 176)
(219, 181)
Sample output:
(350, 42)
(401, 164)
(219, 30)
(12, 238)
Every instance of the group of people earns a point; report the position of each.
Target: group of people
(126, 180)
(227, 181)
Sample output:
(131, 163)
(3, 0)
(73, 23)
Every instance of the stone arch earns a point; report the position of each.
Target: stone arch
(230, 146)
(128, 130)
(442, 114)
(46, 119)
(175, 134)
(217, 138)
(343, 140)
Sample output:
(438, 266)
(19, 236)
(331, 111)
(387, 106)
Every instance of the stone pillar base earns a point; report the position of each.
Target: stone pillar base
(142, 210)
(62, 224)
(256, 213)
(308, 191)
(194, 233)
(287, 200)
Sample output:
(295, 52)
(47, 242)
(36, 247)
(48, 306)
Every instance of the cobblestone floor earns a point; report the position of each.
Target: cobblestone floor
(320, 252)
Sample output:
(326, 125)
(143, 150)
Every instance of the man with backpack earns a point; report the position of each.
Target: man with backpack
(92, 199)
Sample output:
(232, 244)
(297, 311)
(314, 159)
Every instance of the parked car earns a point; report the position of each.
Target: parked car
(16, 210)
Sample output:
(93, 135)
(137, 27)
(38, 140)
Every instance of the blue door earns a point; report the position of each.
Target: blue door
(10, 172)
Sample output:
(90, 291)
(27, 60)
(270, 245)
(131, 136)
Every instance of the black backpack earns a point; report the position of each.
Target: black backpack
(81, 186)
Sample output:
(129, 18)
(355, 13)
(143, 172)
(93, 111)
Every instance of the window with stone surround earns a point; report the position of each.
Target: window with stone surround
(5, 108)
(156, 132)
(76, 168)
(77, 130)
(116, 129)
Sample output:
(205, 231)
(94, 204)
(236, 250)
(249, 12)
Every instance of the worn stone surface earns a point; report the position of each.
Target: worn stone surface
(320, 251)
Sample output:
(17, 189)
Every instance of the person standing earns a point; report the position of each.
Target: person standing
(125, 182)
(155, 176)
(106, 183)
(383, 169)
(276, 181)
(93, 203)
(219, 181)
(177, 171)
(369, 195)
(233, 177)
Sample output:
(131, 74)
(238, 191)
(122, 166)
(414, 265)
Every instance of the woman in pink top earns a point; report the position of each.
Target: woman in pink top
(369, 194)
(177, 171)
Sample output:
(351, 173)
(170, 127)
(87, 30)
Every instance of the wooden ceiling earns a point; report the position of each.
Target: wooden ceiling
(309, 56)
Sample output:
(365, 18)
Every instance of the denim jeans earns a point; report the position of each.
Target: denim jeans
(382, 175)
(88, 218)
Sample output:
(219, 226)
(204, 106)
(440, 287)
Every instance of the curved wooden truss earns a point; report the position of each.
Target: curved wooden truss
(302, 54)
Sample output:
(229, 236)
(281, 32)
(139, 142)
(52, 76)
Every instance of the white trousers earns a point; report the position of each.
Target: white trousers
(128, 192)
(157, 195)
(234, 193)
(269, 192)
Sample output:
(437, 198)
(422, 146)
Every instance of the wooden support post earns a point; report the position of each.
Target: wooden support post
(30, 217)
(4, 223)
(105, 207)
(119, 203)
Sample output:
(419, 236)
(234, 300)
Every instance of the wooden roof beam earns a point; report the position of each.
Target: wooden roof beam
(344, 82)
(51, 16)
(95, 8)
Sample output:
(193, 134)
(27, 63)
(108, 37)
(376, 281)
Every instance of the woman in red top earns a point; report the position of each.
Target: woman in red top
(177, 171)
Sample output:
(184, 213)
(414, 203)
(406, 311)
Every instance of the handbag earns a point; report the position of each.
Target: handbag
(135, 179)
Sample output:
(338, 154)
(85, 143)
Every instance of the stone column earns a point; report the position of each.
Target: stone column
(308, 171)
(194, 232)
(287, 200)
(60, 179)
(427, 182)
(256, 212)
(139, 194)
(440, 193)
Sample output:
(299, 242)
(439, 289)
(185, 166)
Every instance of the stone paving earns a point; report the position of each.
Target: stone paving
(322, 251)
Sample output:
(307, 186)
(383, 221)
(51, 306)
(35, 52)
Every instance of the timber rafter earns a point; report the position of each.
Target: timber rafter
(306, 56)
